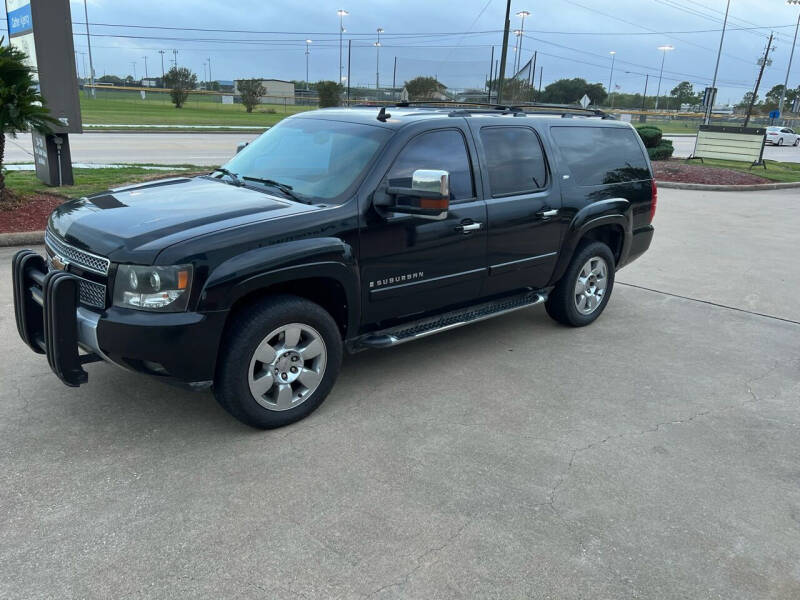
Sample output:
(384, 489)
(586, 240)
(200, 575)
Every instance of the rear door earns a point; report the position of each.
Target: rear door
(523, 207)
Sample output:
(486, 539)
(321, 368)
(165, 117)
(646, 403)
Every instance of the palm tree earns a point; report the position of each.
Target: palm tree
(21, 105)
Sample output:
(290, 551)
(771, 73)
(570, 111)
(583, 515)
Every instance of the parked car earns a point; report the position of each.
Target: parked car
(338, 229)
(782, 136)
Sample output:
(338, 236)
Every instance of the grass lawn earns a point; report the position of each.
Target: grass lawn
(775, 171)
(90, 181)
(130, 110)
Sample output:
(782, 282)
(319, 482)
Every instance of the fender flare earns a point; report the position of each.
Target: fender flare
(262, 267)
(612, 211)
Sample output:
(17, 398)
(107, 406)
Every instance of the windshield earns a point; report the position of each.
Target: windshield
(316, 157)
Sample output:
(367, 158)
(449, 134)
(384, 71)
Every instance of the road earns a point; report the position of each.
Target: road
(215, 148)
(650, 455)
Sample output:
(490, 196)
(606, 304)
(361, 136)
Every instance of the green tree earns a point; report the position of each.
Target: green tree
(251, 91)
(684, 94)
(329, 93)
(570, 91)
(180, 80)
(22, 107)
(424, 88)
(745, 101)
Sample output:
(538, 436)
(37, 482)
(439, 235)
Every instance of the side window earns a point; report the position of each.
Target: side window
(601, 155)
(515, 160)
(443, 149)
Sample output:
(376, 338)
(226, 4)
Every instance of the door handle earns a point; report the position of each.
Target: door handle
(468, 227)
(546, 214)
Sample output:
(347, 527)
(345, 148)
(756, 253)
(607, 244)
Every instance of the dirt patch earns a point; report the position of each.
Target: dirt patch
(679, 171)
(29, 213)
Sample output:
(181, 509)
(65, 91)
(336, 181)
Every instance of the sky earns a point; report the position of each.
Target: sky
(450, 40)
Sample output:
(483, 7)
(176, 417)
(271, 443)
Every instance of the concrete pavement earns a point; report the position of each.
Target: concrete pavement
(650, 455)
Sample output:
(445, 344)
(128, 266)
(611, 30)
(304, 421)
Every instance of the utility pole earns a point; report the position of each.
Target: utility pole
(613, 54)
(89, 44)
(342, 14)
(174, 58)
(205, 77)
(161, 52)
(349, 44)
(791, 56)
(308, 51)
(145, 67)
(134, 70)
(378, 61)
(532, 79)
(664, 50)
(539, 93)
(504, 53)
(522, 14)
(765, 61)
(710, 106)
(209, 68)
(643, 117)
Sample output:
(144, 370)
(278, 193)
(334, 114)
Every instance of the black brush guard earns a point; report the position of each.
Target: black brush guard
(45, 307)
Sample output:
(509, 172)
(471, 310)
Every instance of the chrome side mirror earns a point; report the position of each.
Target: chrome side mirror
(428, 197)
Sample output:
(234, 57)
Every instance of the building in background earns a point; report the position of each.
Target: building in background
(277, 91)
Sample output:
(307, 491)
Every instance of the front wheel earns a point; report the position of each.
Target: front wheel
(278, 362)
(780, 141)
(583, 292)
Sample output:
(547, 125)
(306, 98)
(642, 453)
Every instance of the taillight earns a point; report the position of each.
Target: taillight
(653, 199)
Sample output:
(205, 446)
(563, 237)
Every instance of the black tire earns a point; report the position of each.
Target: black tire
(797, 141)
(247, 330)
(780, 141)
(561, 304)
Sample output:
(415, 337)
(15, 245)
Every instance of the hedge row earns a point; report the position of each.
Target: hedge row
(657, 147)
(661, 152)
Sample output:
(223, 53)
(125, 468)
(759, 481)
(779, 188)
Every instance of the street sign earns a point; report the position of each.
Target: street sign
(709, 96)
(585, 101)
(774, 114)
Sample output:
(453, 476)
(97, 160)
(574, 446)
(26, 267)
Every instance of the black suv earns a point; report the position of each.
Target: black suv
(338, 229)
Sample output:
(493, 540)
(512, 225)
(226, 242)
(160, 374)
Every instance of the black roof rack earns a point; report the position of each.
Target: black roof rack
(465, 108)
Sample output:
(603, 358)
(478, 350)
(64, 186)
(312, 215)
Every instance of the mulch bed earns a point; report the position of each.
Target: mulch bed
(28, 214)
(695, 172)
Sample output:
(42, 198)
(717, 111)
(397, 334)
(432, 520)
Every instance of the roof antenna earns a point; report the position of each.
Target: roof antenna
(383, 115)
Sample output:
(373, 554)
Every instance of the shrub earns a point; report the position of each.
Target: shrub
(251, 91)
(329, 92)
(650, 134)
(661, 152)
(180, 81)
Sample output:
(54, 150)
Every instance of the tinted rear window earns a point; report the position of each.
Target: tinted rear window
(515, 160)
(601, 155)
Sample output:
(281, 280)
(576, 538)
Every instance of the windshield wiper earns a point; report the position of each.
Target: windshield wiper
(284, 187)
(234, 177)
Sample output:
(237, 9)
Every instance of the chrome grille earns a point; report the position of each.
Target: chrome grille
(81, 258)
(91, 293)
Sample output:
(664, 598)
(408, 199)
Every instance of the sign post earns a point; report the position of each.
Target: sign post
(43, 30)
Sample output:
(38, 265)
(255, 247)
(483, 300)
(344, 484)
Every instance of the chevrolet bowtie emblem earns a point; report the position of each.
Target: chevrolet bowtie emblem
(59, 263)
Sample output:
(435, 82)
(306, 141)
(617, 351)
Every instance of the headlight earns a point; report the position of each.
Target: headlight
(164, 289)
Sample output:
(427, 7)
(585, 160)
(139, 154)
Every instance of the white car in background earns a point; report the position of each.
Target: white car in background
(782, 136)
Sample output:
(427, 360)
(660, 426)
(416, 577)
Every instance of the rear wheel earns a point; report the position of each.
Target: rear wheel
(780, 141)
(797, 141)
(278, 362)
(583, 292)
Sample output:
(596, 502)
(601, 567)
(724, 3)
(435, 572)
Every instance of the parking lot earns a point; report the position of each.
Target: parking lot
(653, 454)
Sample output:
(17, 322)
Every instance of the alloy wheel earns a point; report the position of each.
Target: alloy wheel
(591, 285)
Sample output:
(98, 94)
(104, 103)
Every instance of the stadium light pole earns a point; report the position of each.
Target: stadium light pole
(503, 54)
(791, 56)
(209, 69)
(342, 14)
(145, 67)
(664, 50)
(89, 46)
(515, 62)
(378, 60)
(162, 52)
(710, 107)
(613, 54)
(522, 14)
(308, 51)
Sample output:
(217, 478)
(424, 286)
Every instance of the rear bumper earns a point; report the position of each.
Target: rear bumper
(640, 242)
(181, 347)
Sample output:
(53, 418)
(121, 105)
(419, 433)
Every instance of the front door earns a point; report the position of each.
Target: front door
(410, 265)
(523, 206)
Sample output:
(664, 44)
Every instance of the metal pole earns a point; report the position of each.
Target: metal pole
(789, 68)
(394, 78)
(349, 44)
(161, 52)
(523, 14)
(145, 67)
(134, 71)
(532, 78)
(539, 93)
(491, 66)
(209, 69)
(504, 53)
(175, 58)
(378, 61)
(342, 13)
(611, 76)
(642, 117)
(89, 44)
(710, 107)
(660, 73)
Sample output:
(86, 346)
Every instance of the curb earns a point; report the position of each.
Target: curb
(22, 238)
(752, 187)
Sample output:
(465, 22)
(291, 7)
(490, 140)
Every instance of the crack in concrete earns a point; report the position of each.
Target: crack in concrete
(420, 563)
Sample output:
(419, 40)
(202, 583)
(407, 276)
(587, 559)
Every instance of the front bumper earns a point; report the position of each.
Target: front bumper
(181, 347)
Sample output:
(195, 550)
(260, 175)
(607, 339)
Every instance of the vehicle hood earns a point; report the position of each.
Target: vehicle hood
(134, 223)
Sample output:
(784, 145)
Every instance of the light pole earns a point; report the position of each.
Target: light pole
(791, 56)
(710, 107)
(175, 58)
(342, 14)
(209, 69)
(161, 52)
(134, 71)
(89, 45)
(664, 50)
(378, 61)
(205, 77)
(522, 14)
(613, 54)
(145, 67)
(518, 35)
(308, 51)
